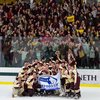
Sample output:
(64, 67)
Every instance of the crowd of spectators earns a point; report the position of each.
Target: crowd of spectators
(37, 31)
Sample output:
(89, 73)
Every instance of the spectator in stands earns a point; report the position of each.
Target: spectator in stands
(97, 55)
(82, 57)
(91, 56)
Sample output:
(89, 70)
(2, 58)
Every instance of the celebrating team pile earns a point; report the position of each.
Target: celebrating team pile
(26, 83)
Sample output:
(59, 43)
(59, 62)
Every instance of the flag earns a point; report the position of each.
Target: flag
(80, 31)
(49, 82)
(70, 18)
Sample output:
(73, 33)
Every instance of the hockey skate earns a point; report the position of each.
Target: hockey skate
(71, 95)
(77, 96)
(13, 96)
(67, 94)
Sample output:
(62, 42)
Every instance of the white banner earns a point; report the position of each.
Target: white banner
(50, 82)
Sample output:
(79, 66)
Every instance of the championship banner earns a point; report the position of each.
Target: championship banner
(71, 19)
(50, 82)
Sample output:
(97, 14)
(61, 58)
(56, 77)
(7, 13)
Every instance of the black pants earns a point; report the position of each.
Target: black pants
(30, 92)
(25, 93)
(91, 63)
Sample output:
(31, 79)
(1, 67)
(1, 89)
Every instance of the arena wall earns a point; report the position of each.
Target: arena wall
(89, 77)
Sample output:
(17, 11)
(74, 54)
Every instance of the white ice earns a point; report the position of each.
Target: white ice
(87, 94)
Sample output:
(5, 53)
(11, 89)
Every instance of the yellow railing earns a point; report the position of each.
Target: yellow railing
(82, 85)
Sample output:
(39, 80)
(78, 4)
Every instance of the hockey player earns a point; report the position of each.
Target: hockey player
(30, 81)
(76, 78)
(70, 57)
(63, 77)
(18, 87)
(68, 83)
(75, 86)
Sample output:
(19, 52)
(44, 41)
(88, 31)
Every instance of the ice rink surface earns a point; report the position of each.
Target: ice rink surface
(87, 94)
